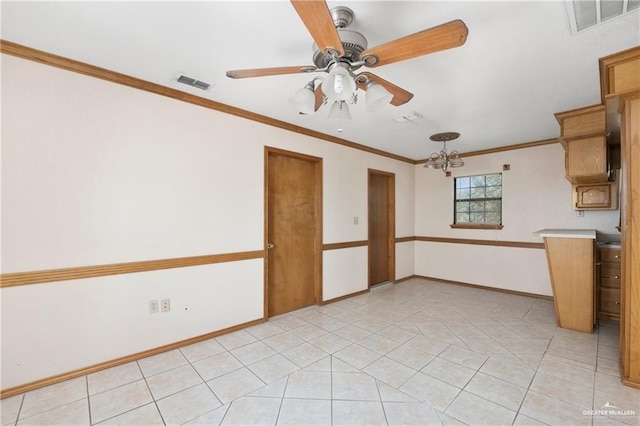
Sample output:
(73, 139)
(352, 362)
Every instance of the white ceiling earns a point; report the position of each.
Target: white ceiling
(519, 66)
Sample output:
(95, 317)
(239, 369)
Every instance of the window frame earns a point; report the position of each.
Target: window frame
(471, 225)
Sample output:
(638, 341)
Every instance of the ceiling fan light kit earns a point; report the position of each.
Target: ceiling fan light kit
(339, 110)
(377, 97)
(444, 160)
(304, 99)
(339, 85)
(339, 52)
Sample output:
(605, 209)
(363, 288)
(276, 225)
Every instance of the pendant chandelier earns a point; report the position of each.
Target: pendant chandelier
(443, 160)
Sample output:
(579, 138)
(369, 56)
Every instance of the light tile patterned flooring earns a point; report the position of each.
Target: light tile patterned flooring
(414, 353)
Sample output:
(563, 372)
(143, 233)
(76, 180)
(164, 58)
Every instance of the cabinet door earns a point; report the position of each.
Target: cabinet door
(587, 160)
(593, 196)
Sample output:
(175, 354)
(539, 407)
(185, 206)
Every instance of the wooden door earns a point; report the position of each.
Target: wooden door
(293, 231)
(381, 227)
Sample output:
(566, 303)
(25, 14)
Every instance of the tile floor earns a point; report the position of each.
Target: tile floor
(414, 353)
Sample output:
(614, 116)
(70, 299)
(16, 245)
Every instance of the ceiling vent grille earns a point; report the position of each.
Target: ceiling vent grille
(407, 117)
(194, 82)
(585, 14)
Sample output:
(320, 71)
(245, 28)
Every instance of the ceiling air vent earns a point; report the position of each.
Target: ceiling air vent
(585, 14)
(407, 117)
(194, 82)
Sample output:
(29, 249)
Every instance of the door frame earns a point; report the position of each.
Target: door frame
(317, 268)
(391, 209)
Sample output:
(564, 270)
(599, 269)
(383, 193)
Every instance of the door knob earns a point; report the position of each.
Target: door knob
(270, 245)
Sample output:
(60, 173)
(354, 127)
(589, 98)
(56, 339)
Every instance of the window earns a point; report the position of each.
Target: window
(478, 201)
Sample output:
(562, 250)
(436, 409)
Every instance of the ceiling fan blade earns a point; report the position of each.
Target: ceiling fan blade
(317, 18)
(445, 36)
(400, 96)
(319, 97)
(262, 72)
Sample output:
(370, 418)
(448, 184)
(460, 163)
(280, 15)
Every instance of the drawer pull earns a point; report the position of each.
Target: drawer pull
(616, 277)
(617, 256)
(617, 303)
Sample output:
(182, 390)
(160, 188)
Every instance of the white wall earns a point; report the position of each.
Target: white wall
(96, 173)
(536, 195)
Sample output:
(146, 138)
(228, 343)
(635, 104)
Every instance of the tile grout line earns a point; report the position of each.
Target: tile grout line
(533, 378)
(86, 382)
(15, 422)
(593, 394)
(164, 422)
(331, 384)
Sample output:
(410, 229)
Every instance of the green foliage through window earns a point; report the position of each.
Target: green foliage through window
(478, 199)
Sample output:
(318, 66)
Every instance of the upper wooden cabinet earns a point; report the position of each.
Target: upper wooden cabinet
(595, 196)
(582, 121)
(583, 134)
(586, 160)
(620, 73)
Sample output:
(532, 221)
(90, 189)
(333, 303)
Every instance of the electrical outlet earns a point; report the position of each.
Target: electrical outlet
(165, 305)
(153, 307)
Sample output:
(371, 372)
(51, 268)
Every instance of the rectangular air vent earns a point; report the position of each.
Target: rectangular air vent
(585, 14)
(407, 117)
(194, 82)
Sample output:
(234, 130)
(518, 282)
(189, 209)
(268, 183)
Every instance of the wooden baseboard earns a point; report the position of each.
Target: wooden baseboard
(631, 383)
(119, 361)
(346, 296)
(484, 287)
(405, 279)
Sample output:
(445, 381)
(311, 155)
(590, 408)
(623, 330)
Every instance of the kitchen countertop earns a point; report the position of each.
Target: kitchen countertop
(566, 233)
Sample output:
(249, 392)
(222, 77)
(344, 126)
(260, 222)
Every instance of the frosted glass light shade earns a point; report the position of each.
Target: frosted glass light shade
(339, 85)
(456, 161)
(377, 97)
(304, 100)
(339, 109)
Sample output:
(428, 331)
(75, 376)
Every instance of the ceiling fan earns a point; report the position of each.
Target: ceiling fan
(339, 52)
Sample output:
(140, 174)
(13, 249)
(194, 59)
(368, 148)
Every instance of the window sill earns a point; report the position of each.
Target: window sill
(475, 226)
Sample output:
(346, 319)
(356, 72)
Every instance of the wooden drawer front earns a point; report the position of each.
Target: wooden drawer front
(610, 300)
(610, 282)
(609, 254)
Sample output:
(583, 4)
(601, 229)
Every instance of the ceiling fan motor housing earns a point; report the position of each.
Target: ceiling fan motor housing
(353, 44)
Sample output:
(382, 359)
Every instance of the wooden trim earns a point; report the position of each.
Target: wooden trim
(122, 360)
(65, 274)
(630, 382)
(346, 296)
(517, 244)
(561, 116)
(67, 64)
(475, 226)
(347, 244)
(405, 239)
(484, 287)
(363, 243)
(504, 148)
